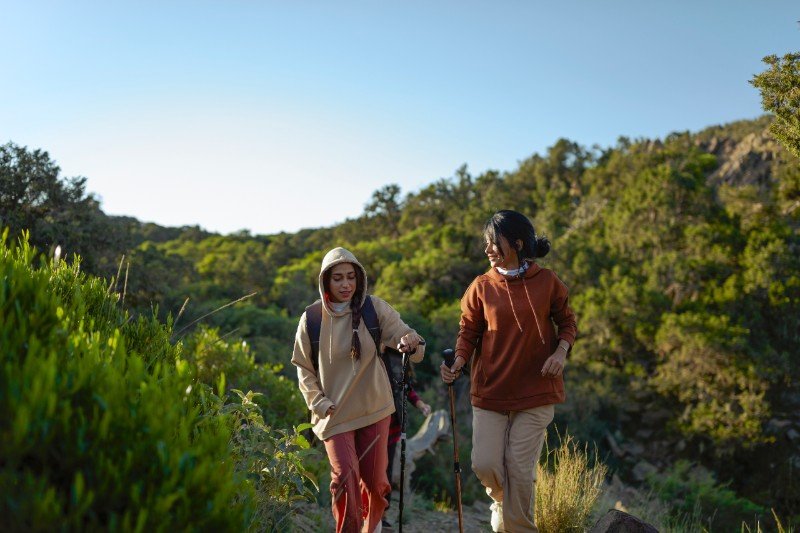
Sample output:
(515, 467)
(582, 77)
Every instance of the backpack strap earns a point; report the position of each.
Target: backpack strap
(314, 324)
(370, 318)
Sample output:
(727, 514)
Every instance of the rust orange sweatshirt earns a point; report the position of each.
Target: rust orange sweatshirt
(509, 327)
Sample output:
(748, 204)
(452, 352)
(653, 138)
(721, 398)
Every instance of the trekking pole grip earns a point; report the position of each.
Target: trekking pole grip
(449, 356)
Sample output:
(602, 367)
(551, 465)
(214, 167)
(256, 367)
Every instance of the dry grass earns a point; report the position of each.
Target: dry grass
(758, 529)
(569, 481)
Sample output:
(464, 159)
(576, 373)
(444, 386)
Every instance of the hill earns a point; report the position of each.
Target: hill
(682, 255)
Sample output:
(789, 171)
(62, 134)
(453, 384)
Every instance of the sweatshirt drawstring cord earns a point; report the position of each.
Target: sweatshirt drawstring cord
(536, 318)
(511, 301)
(330, 343)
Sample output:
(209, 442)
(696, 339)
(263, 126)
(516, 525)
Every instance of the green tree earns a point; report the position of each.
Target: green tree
(56, 211)
(780, 94)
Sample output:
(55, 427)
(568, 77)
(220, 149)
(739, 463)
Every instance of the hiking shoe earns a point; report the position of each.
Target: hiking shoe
(497, 516)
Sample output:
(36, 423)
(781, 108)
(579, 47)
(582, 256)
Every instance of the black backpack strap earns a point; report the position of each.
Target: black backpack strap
(370, 318)
(313, 324)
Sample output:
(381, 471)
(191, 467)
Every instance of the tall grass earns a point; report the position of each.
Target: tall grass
(779, 527)
(569, 481)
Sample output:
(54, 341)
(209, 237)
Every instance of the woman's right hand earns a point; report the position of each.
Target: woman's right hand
(449, 375)
(330, 410)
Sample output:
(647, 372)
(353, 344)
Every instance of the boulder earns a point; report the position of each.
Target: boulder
(616, 521)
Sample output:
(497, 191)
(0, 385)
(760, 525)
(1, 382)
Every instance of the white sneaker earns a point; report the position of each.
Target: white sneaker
(497, 516)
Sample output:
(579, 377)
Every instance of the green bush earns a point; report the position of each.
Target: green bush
(693, 490)
(275, 461)
(95, 434)
(213, 357)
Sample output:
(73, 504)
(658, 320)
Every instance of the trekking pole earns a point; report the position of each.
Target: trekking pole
(402, 442)
(450, 358)
(403, 392)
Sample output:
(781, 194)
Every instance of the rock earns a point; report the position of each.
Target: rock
(792, 435)
(612, 442)
(747, 162)
(642, 470)
(435, 428)
(633, 448)
(616, 521)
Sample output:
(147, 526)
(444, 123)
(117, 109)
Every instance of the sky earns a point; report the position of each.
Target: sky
(275, 116)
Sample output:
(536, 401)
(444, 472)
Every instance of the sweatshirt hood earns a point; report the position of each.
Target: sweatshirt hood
(335, 257)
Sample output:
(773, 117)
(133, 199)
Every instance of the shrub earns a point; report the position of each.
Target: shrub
(99, 430)
(213, 356)
(689, 489)
(275, 461)
(569, 481)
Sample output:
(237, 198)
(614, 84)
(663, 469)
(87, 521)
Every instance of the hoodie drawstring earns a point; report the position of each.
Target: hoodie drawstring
(530, 303)
(511, 301)
(535, 318)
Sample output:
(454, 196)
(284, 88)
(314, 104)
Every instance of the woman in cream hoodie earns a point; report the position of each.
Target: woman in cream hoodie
(349, 393)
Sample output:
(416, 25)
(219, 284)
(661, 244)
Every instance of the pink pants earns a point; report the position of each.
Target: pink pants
(359, 485)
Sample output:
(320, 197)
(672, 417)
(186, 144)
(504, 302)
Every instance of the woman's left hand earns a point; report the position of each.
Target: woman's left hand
(554, 365)
(424, 407)
(409, 342)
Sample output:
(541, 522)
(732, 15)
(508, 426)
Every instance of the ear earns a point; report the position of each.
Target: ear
(519, 245)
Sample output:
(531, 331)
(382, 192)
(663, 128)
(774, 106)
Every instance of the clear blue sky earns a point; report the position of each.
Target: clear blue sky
(279, 115)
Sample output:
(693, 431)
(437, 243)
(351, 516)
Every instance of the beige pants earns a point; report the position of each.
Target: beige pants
(505, 450)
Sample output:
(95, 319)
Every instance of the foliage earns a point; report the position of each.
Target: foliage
(780, 94)
(92, 434)
(569, 481)
(703, 366)
(106, 424)
(54, 211)
(275, 460)
(213, 357)
(687, 486)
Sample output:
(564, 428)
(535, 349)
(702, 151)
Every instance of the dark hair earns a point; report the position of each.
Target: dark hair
(355, 306)
(515, 226)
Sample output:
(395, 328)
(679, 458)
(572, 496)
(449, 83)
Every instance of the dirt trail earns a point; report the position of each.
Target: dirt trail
(419, 518)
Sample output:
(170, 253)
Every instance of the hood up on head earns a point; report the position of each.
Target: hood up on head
(333, 258)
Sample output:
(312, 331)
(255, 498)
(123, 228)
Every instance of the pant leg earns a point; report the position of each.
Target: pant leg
(345, 490)
(489, 431)
(371, 446)
(526, 434)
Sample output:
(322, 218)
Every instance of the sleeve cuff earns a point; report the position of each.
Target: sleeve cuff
(322, 407)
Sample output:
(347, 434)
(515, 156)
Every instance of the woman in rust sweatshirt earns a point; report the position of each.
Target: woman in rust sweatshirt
(516, 331)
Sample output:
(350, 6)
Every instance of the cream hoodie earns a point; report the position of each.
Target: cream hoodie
(359, 389)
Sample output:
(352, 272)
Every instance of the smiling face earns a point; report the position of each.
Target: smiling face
(501, 254)
(343, 282)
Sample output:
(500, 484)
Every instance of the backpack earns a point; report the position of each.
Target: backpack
(390, 357)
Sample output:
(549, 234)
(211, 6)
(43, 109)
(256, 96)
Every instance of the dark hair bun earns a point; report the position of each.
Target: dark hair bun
(542, 246)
